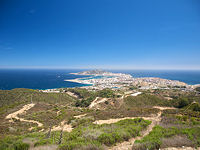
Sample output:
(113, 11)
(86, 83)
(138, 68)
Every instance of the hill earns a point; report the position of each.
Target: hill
(77, 118)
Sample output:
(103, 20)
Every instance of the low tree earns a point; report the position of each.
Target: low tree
(183, 102)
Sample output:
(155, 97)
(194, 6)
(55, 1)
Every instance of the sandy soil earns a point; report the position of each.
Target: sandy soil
(63, 126)
(96, 101)
(72, 94)
(136, 94)
(21, 111)
(127, 145)
(45, 147)
(80, 116)
(163, 108)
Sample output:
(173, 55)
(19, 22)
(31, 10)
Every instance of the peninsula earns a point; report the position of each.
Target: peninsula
(99, 79)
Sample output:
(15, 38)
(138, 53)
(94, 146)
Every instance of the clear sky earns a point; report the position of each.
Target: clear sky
(110, 34)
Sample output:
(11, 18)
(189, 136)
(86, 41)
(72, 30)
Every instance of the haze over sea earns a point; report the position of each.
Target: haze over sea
(48, 79)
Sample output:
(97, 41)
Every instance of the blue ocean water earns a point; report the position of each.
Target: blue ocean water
(37, 78)
(48, 79)
(188, 76)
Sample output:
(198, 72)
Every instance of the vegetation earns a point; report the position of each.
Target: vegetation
(154, 139)
(198, 89)
(81, 93)
(13, 143)
(106, 93)
(85, 134)
(13, 98)
(88, 97)
(145, 100)
(84, 102)
(106, 134)
(177, 127)
(183, 102)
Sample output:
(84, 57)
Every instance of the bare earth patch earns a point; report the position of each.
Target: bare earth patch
(45, 147)
(127, 145)
(80, 116)
(63, 126)
(25, 108)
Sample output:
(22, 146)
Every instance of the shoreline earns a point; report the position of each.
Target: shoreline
(77, 81)
(120, 80)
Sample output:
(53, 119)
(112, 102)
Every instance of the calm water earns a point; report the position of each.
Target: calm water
(189, 77)
(47, 79)
(37, 79)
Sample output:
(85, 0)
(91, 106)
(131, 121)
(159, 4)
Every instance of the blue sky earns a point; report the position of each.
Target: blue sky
(110, 34)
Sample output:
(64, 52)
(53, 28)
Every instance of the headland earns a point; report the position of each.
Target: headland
(102, 79)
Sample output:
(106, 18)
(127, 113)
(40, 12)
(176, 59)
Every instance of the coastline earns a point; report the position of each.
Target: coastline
(51, 79)
(100, 79)
(79, 81)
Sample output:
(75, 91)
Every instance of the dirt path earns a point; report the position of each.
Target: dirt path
(163, 108)
(96, 101)
(109, 121)
(80, 116)
(63, 126)
(21, 111)
(72, 94)
(127, 145)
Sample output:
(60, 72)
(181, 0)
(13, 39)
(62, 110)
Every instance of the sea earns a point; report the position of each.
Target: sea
(54, 78)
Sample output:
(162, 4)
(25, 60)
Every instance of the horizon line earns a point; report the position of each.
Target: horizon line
(99, 68)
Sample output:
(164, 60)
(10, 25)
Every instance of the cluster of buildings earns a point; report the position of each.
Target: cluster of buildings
(157, 83)
(119, 80)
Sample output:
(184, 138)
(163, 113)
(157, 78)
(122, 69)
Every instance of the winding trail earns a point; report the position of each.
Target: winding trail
(94, 102)
(97, 101)
(80, 116)
(66, 127)
(127, 145)
(21, 111)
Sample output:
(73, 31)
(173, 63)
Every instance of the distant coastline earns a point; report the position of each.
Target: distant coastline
(120, 80)
(51, 79)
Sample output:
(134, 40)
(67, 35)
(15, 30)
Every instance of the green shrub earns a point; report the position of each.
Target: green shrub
(144, 100)
(84, 102)
(13, 143)
(105, 134)
(21, 146)
(106, 93)
(198, 89)
(196, 107)
(154, 139)
(183, 102)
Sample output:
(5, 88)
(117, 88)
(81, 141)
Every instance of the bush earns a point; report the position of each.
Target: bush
(106, 138)
(145, 100)
(84, 102)
(183, 102)
(198, 89)
(106, 93)
(21, 146)
(105, 134)
(13, 143)
(196, 107)
(155, 138)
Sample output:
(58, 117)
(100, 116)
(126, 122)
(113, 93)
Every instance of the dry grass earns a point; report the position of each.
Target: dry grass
(142, 146)
(170, 121)
(176, 141)
(124, 112)
(45, 147)
(88, 147)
